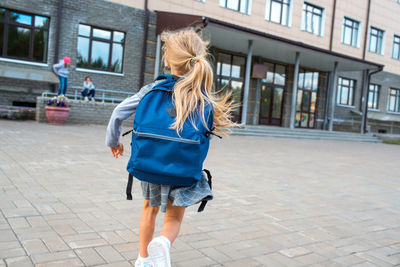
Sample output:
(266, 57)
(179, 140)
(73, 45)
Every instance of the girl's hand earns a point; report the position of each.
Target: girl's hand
(117, 150)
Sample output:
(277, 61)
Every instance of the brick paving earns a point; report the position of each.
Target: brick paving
(278, 202)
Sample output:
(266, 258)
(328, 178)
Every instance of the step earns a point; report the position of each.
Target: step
(296, 130)
(294, 133)
(303, 134)
(362, 139)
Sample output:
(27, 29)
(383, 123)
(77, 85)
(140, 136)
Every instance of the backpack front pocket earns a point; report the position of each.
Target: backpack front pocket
(162, 153)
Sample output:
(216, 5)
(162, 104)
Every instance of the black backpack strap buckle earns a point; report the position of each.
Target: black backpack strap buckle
(209, 180)
(129, 187)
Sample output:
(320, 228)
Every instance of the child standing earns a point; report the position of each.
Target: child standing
(186, 55)
(62, 70)
(88, 89)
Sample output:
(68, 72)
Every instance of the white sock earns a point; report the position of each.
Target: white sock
(166, 240)
(142, 258)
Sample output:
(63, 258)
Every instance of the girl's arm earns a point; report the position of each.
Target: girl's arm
(123, 111)
(56, 67)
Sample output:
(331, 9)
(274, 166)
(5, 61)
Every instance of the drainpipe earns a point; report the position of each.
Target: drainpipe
(366, 29)
(144, 47)
(366, 100)
(58, 30)
(333, 24)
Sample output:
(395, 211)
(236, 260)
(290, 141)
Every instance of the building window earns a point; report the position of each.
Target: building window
(394, 100)
(243, 6)
(230, 78)
(312, 19)
(278, 11)
(376, 40)
(350, 32)
(23, 36)
(373, 96)
(345, 91)
(396, 47)
(100, 49)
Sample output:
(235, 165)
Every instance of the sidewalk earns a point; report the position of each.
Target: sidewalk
(278, 202)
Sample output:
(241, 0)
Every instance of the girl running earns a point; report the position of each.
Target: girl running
(185, 53)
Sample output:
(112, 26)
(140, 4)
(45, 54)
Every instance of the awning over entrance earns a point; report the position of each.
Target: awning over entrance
(235, 38)
(28, 74)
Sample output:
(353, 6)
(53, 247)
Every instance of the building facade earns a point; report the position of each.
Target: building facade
(103, 39)
(328, 64)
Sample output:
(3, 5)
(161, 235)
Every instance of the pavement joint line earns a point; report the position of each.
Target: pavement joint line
(16, 236)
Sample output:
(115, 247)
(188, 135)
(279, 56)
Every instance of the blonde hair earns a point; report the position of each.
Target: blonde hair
(187, 54)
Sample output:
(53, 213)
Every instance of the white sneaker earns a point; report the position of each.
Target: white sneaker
(143, 262)
(159, 251)
(86, 98)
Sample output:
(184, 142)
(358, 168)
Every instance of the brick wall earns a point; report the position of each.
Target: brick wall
(82, 112)
(348, 118)
(99, 13)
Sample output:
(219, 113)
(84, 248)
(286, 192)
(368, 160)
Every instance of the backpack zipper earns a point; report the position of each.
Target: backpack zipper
(168, 138)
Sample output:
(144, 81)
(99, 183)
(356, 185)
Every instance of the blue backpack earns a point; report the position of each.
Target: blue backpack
(159, 154)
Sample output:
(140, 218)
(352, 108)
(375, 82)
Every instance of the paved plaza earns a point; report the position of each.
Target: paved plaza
(278, 202)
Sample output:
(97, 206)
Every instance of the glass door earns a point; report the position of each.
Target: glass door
(272, 91)
(271, 105)
(306, 99)
(230, 79)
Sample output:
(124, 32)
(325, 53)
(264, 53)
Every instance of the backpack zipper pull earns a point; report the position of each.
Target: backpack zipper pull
(128, 132)
(212, 132)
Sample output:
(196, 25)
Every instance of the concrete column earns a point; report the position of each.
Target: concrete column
(333, 98)
(364, 100)
(247, 82)
(294, 90)
(158, 57)
(257, 102)
(328, 90)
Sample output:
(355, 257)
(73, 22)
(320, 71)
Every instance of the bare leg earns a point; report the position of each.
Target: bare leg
(146, 227)
(172, 221)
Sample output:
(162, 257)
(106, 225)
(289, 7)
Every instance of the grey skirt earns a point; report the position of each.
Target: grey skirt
(158, 194)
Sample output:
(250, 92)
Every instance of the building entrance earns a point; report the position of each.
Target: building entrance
(272, 92)
(307, 90)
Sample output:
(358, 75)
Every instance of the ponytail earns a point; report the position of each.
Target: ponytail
(186, 52)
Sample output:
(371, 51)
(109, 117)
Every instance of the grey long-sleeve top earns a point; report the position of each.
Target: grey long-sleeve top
(60, 69)
(123, 111)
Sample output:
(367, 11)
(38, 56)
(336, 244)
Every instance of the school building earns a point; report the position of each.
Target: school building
(327, 64)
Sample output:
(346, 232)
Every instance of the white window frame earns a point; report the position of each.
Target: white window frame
(388, 102)
(382, 52)
(394, 38)
(223, 2)
(290, 12)
(351, 105)
(378, 92)
(358, 33)
(322, 26)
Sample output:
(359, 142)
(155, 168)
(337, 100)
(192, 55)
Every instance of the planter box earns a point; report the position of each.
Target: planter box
(57, 115)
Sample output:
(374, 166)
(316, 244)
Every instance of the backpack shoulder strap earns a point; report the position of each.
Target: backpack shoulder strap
(147, 88)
